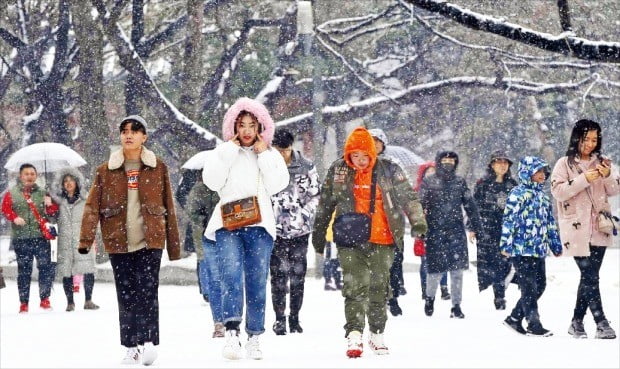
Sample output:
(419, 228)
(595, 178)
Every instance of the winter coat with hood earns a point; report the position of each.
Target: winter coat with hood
(295, 206)
(573, 196)
(529, 228)
(394, 193)
(107, 205)
(490, 197)
(444, 195)
(69, 221)
(237, 172)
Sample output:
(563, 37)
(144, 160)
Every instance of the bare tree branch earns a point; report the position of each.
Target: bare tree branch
(565, 43)
(359, 108)
(11, 39)
(564, 15)
(209, 91)
(185, 129)
(350, 67)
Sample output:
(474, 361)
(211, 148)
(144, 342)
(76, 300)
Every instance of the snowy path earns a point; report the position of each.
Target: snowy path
(89, 339)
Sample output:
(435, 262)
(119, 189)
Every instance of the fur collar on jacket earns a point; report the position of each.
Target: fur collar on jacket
(117, 159)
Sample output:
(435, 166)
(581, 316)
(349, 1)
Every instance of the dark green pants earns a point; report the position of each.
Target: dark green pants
(366, 277)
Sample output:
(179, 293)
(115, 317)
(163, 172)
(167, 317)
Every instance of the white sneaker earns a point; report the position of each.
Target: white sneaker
(132, 357)
(377, 345)
(232, 347)
(252, 348)
(354, 344)
(149, 353)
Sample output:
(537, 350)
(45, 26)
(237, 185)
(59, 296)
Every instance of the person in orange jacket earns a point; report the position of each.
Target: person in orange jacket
(366, 264)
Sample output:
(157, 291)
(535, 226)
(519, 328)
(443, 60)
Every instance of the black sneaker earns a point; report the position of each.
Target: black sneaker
(429, 306)
(456, 312)
(293, 324)
(395, 309)
(500, 303)
(445, 295)
(537, 330)
(279, 327)
(514, 324)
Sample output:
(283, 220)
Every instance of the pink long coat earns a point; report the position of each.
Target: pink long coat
(576, 215)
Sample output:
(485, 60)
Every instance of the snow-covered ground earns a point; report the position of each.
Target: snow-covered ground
(89, 339)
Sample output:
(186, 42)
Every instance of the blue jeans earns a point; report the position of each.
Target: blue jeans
(244, 256)
(210, 278)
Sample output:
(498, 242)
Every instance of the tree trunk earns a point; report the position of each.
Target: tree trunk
(90, 86)
(192, 60)
(133, 92)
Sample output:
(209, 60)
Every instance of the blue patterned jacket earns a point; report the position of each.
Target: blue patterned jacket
(528, 227)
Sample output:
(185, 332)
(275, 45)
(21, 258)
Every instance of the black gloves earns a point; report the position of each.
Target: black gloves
(83, 250)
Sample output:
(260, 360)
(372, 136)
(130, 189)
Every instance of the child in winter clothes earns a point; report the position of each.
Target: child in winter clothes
(366, 266)
(529, 230)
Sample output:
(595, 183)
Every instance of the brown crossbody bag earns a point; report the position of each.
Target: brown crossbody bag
(241, 213)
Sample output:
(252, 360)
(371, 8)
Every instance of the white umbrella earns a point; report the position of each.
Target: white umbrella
(45, 156)
(406, 157)
(197, 161)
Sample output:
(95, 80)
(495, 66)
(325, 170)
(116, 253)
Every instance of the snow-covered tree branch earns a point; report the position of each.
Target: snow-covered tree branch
(564, 43)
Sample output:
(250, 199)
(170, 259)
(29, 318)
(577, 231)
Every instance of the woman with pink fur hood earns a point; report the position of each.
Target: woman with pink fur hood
(245, 165)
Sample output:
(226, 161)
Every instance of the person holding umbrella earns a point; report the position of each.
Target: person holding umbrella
(29, 207)
(132, 199)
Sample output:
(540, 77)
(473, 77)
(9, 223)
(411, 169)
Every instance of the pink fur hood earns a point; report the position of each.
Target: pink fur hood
(254, 107)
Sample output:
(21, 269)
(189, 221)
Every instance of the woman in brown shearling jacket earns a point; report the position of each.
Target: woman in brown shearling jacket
(132, 198)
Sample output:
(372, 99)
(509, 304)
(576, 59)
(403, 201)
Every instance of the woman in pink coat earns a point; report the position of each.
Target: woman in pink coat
(581, 183)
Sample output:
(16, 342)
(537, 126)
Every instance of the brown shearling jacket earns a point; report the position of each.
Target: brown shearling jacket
(107, 204)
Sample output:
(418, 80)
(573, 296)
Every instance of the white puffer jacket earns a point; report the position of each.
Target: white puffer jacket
(233, 172)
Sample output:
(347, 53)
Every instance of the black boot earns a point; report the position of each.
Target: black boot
(279, 327)
(293, 324)
(445, 295)
(500, 303)
(456, 312)
(395, 310)
(429, 307)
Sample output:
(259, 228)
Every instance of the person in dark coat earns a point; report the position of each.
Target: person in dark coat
(490, 195)
(444, 195)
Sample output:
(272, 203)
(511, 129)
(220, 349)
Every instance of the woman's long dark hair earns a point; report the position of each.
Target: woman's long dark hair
(65, 194)
(580, 130)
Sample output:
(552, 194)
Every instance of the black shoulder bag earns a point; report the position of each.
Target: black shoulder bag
(353, 229)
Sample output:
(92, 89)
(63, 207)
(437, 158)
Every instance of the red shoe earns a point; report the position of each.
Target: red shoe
(45, 304)
(23, 307)
(76, 288)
